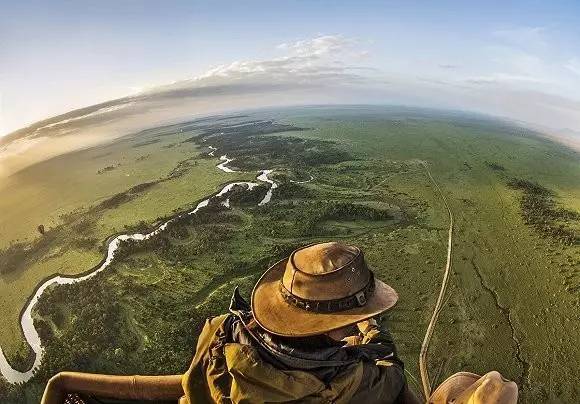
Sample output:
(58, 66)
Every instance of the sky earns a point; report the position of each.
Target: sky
(519, 60)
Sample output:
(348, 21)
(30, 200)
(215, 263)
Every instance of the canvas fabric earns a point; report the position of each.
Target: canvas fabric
(226, 371)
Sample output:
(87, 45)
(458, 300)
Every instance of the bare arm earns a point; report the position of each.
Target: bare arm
(106, 386)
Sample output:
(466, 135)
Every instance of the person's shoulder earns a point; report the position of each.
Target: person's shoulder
(211, 332)
(216, 321)
(214, 324)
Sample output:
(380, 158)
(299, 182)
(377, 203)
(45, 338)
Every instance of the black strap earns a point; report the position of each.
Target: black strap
(358, 299)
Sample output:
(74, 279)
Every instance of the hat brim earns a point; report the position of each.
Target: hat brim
(453, 386)
(279, 317)
(462, 387)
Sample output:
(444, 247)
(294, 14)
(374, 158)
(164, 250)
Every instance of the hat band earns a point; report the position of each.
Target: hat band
(358, 299)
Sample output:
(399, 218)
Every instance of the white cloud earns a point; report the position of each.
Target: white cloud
(523, 36)
(319, 46)
(100, 111)
(516, 83)
(499, 78)
(518, 62)
(573, 65)
(509, 81)
(321, 60)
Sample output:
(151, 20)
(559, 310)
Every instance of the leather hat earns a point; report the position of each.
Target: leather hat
(470, 388)
(319, 288)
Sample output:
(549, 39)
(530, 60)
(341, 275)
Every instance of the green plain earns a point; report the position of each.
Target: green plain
(513, 300)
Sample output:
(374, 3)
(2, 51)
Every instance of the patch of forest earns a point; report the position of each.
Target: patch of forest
(123, 197)
(76, 228)
(84, 326)
(494, 166)
(88, 327)
(240, 195)
(246, 144)
(541, 211)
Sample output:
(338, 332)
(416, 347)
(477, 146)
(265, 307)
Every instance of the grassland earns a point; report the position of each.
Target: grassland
(513, 299)
(73, 196)
(512, 306)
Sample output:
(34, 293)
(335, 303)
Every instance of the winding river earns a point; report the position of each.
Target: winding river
(31, 335)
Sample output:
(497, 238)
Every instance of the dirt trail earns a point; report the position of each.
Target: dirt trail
(439, 305)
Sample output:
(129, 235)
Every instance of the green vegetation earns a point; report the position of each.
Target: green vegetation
(539, 210)
(80, 209)
(515, 282)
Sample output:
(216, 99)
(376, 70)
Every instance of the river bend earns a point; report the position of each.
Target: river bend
(27, 322)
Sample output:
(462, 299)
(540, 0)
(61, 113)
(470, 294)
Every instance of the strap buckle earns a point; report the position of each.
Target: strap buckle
(361, 298)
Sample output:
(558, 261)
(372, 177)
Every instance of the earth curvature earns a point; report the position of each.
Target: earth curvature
(113, 255)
